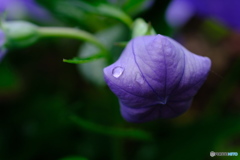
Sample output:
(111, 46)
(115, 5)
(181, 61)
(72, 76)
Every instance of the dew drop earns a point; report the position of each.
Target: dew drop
(117, 72)
(139, 78)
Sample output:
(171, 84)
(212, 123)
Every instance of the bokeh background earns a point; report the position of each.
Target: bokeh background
(53, 110)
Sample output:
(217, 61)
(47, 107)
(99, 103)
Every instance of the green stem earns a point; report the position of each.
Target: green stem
(115, 132)
(71, 33)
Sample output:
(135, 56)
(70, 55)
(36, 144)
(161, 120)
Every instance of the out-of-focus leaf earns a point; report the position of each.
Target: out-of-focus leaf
(78, 60)
(93, 71)
(133, 7)
(197, 139)
(90, 13)
(121, 44)
(76, 12)
(224, 91)
(104, 10)
(114, 12)
(214, 31)
(73, 158)
(9, 80)
(112, 131)
(141, 28)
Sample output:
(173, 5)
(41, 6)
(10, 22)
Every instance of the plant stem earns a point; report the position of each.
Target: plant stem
(70, 33)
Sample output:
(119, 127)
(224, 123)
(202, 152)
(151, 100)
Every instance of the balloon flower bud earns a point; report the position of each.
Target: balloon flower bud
(224, 12)
(20, 9)
(156, 77)
(20, 33)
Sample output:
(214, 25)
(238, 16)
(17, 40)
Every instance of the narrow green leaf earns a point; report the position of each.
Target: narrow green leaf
(73, 158)
(121, 44)
(99, 9)
(134, 7)
(9, 79)
(112, 131)
(78, 60)
(214, 31)
(114, 12)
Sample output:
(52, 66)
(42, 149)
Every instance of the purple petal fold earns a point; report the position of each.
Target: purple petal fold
(156, 77)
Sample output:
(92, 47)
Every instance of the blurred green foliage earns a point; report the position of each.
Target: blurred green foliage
(53, 111)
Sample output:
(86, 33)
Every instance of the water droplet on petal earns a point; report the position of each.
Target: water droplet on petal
(139, 78)
(117, 72)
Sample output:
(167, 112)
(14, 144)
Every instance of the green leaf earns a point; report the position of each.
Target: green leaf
(112, 131)
(78, 60)
(9, 79)
(73, 158)
(141, 28)
(114, 12)
(121, 44)
(133, 7)
(75, 8)
(214, 31)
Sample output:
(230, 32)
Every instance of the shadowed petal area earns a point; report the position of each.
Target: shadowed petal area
(156, 77)
(153, 112)
(140, 114)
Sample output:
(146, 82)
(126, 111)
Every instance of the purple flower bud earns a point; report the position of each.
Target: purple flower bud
(17, 9)
(2, 42)
(224, 12)
(156, 77)
(36, 11)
